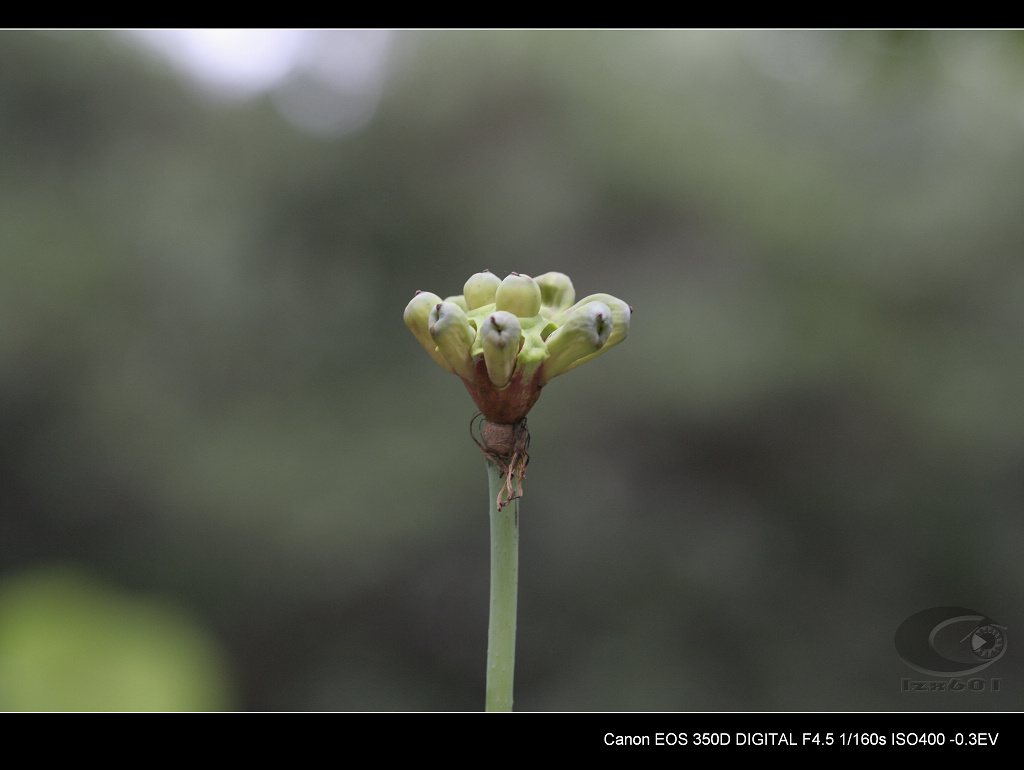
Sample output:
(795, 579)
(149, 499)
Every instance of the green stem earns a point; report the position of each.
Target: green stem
(501, 632)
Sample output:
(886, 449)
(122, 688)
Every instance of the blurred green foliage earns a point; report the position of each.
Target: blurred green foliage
(69, 643)
(207, 393)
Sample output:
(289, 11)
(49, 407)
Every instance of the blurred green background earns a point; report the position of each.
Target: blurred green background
(231, 478)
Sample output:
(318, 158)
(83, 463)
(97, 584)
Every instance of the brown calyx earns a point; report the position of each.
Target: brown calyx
(506, 405)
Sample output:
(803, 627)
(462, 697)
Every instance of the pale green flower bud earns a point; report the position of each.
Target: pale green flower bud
(583, 333)
(518, 294)
(417, 318)
(556, 293)
(480, 289)
(500, 336)
(450, 329)
(459, 300)
(620, 315)
(507, 339)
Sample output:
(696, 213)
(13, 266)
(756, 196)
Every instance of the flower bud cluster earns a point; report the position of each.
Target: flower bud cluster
(508, 338)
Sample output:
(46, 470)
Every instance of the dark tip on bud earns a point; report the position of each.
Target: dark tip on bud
(631, 309)
(418, 291)
(513, 273)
